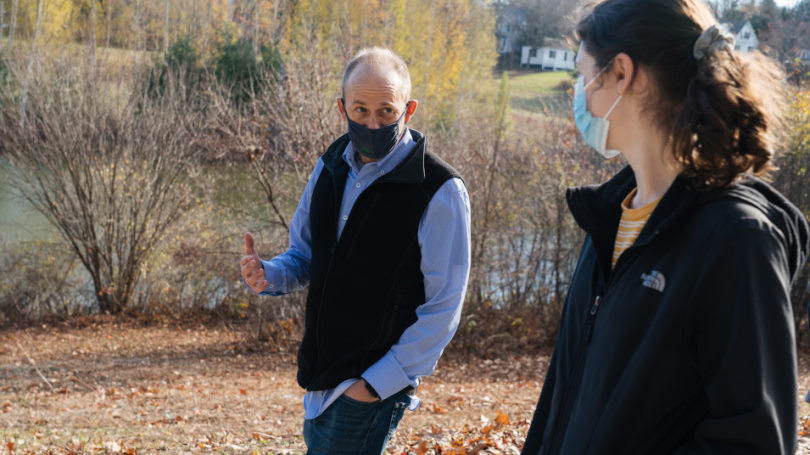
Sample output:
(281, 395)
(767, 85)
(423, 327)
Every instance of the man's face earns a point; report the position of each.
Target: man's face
(374, 98)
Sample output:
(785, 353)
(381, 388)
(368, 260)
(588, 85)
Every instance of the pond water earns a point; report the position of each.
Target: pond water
(18, 220)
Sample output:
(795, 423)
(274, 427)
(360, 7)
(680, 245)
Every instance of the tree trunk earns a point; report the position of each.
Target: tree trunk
(230, 11)
(273, 22)
(138, 30)
(2, 16)
(109, 21)
(184, 22)
(166, 35)
(31, 56)
(92, 57)
(207, 22)
(14, 5)
(257, 17)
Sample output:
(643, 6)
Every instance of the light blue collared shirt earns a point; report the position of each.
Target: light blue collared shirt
(444, 239)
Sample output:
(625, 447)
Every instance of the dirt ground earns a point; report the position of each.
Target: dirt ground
(114, 386)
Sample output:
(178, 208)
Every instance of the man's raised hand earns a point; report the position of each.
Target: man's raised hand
(252, 270)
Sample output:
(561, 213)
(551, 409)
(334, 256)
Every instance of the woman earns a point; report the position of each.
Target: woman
(677, 335)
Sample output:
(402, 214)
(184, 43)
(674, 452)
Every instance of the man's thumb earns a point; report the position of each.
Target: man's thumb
(249, 244)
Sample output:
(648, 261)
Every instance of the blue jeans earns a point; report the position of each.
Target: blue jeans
(353, 427)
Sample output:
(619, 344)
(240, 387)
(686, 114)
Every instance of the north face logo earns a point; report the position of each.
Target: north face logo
(655, 280)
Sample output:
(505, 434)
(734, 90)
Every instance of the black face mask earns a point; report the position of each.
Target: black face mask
(375, 144)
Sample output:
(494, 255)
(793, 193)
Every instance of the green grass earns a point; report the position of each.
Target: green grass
(537, 84)
(537, 92)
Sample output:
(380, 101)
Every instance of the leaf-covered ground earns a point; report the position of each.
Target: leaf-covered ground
(116, 387)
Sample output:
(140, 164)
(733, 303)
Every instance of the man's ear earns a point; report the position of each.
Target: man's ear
(341, 107)
(410, 110)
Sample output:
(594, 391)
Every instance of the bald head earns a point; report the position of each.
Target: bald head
(382, 62)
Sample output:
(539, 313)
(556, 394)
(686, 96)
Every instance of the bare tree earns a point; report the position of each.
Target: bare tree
(2, 22)
(31, 56)
(111, 179)
(109, 21)
(12, 32)
(91, 65)
(166, 33)
(206, 26)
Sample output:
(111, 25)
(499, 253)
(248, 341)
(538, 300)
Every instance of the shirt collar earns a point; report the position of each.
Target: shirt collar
(390, 161)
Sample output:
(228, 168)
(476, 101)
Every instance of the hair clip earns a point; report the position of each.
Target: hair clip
(713, 39)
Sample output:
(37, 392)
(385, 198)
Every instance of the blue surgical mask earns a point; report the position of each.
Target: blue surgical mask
(594, 130)
(375, 144)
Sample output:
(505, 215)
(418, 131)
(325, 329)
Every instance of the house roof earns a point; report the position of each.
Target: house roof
(556, 44)
(736, 25)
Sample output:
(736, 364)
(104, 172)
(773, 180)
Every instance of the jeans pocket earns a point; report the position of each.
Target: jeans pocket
(364, 404)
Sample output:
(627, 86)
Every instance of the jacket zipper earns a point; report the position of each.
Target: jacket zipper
(567, 399)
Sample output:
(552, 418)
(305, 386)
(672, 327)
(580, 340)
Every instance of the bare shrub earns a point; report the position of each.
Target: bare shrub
(270, 147)
(41, 279)
(525, 241)
(110, 177)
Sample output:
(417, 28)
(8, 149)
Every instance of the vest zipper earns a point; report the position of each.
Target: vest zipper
(362, 222)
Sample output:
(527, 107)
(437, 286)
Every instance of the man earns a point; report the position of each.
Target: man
(382, 238)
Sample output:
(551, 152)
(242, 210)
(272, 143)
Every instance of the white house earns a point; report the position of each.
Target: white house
(747, 40)
(555, 55)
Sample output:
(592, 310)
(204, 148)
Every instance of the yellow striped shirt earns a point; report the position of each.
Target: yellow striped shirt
(631, 224)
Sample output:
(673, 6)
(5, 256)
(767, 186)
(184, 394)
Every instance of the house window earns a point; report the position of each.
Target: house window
(737, 47)
(552, 54)
(565, 56)
(750, 48)
(747, 35)
(534, 53)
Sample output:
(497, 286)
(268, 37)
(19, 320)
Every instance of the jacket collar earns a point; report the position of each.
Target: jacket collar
(410, 170)
(597, 210)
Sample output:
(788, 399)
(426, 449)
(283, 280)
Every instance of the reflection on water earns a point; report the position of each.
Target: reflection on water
(18, 220)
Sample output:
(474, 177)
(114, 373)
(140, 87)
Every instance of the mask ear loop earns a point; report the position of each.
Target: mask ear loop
(599, 73)
(613, 107)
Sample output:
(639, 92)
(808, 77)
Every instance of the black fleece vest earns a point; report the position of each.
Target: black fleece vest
(366, 286)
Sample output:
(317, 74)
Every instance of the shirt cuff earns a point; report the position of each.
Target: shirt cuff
(387, 376)
(274, 278)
